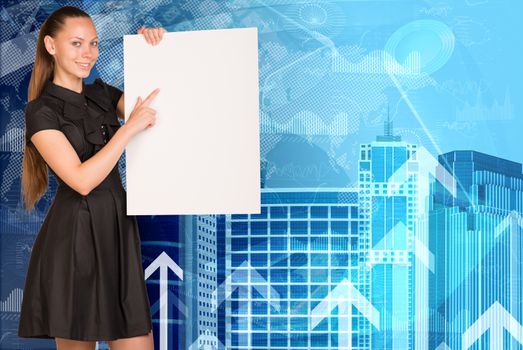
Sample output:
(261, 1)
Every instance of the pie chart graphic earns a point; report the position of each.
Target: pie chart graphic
(424, 46)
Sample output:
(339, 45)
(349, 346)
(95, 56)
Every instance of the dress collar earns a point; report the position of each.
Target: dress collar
(65, 94)
(93, 92)
(77, 108)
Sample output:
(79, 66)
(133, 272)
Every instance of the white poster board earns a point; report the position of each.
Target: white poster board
(203, 154)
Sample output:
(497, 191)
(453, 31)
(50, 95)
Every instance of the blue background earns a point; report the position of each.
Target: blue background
(329, 77)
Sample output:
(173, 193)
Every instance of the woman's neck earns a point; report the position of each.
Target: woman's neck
(67, 81)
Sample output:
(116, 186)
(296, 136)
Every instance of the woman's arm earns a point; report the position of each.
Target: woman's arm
(59, 154)
(82, 177)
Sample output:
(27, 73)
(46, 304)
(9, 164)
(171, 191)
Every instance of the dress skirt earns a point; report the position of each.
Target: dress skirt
(85, 279)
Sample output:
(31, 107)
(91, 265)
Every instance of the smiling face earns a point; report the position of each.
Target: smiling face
(75, 48)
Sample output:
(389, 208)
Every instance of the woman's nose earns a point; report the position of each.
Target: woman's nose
(88, 52)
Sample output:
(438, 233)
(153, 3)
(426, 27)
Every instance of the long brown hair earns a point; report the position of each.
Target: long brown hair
(35, 178)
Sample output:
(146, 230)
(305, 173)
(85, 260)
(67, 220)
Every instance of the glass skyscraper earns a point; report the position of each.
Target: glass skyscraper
(476, 239)
(388, 191)
(201, 281)
(284, 262)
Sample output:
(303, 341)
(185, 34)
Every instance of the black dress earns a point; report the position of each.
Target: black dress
(85, 279)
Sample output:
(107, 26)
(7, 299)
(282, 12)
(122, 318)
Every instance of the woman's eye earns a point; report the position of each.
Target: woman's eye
(75, 42)
(95, 43)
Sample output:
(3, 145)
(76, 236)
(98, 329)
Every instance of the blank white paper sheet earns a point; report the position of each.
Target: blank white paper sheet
(203, 154)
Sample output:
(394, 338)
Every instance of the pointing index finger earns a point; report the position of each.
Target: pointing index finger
(151, 96)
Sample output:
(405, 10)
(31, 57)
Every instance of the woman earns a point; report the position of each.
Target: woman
(85, 280)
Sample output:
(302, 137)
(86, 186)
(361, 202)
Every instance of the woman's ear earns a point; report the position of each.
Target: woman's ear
(49, 44)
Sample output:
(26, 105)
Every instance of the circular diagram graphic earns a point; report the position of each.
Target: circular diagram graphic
(424, 44)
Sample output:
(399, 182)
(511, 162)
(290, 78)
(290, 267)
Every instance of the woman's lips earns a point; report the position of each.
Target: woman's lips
(83, 66)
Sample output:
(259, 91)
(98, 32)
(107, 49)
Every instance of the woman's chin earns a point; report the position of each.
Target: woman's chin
(82, 73)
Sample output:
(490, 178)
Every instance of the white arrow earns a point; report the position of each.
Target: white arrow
(172, 299)
(395, 239)
(495, 320)
(512, 220)
(443, 346)
(344, 296)
(427, 165)
(423, 254)
(163, 262)
(423, 165)
(274, 295)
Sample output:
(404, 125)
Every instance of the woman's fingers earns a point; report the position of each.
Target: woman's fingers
(149, 98)
(156, 34)
(138, 102)
(147, 111)
(146, 34)
(152, 36)
(142, 111)
(151, 114)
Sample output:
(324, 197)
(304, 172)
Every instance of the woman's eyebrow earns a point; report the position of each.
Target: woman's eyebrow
(77, 37)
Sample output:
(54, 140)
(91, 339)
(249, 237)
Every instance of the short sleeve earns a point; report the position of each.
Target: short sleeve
(39, 116)
(113, 92)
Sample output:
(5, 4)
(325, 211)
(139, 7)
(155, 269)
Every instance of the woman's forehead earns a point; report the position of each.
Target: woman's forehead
(79, 27)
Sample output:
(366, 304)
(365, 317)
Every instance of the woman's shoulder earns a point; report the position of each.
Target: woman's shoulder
(40, 114)
(44, 103)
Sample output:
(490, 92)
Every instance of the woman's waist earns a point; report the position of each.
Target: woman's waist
(111, 182)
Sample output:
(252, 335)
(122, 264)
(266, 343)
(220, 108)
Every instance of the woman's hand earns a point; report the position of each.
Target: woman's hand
(142, 117)
(152, 35)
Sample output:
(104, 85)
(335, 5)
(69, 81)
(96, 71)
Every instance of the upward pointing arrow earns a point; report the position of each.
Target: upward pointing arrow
(424, 164)
(395, 239)
(495, 320)
(344, 296)
(163, 262)
(274, 297)
(399, 233)
(427, 165)
(512, 220)
(171, 300)
(443, 346)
